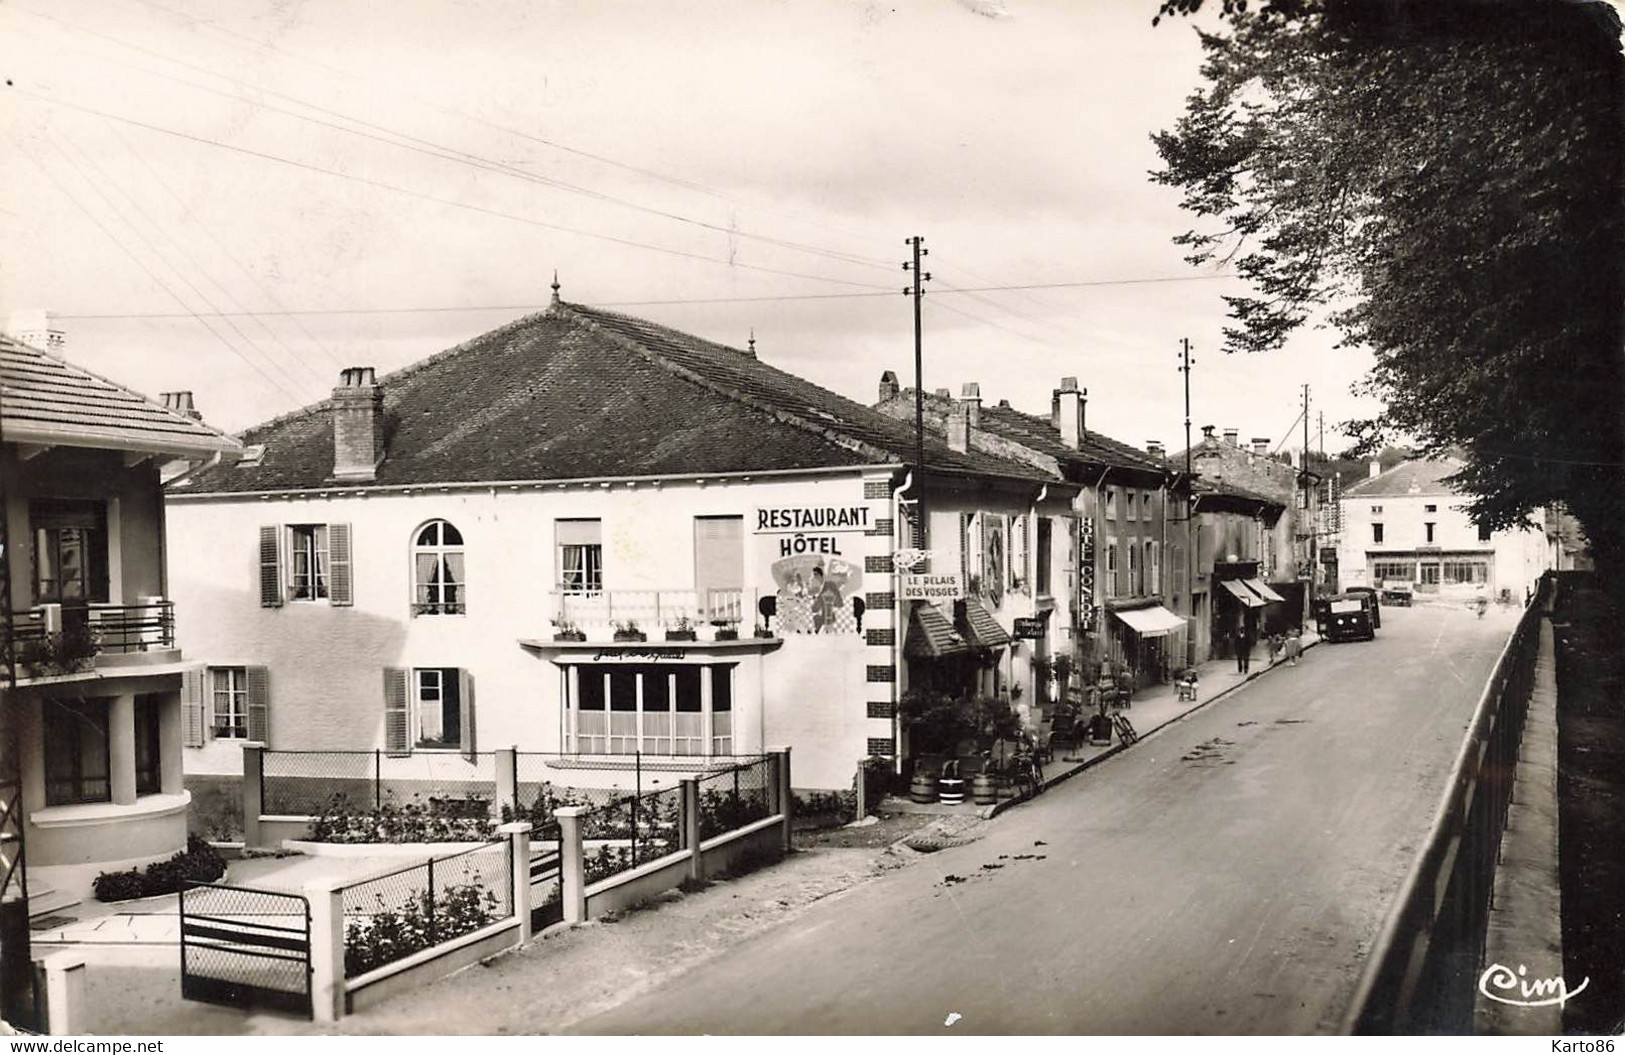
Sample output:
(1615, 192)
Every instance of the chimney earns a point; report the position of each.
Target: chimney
(1154, 448)
(37, 328)
(358, 424)
(889, 388)
(1207, 432)
(1067, 410)
(959, 427)
(1261, 445)
(1376, 468)
(1232, 437)
(181, 403)
(970, 395)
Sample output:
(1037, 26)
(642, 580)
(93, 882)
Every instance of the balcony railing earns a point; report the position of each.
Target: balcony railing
(649, 609)
(62, 639)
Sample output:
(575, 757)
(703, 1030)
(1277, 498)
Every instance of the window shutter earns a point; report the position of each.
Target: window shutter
(465, 699)
(964, 550)
(259, 704)
(192, 706)
(397, 727)
(271, 566)
(340, 590)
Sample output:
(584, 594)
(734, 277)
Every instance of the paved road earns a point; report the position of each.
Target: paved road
(1225, 876)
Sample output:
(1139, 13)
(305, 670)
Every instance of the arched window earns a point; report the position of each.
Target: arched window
(438, 585)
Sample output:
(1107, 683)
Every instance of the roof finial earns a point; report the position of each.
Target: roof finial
(753, 342)
(555, 285)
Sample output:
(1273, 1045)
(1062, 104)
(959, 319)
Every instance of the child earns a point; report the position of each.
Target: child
(1294, 648)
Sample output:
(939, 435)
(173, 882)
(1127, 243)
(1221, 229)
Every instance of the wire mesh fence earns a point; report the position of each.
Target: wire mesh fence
(632, 831)
(391, 916)
(307, 783)
(738, 796)
(245, 948)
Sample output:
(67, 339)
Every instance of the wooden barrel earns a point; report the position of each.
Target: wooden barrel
(951, 790)
(984, 789)
(923, 788)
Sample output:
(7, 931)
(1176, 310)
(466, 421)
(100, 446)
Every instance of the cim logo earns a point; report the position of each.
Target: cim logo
(1506, 986)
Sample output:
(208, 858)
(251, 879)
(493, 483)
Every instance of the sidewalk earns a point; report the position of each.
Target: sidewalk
(1150, 710)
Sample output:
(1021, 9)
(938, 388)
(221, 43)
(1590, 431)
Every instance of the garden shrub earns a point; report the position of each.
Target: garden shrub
(198, 863)
(441, 821)
(422, 922)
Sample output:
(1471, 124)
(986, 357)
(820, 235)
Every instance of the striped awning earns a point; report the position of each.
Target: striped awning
(980, 628)
(1242, 594)
(1259, 587)
(1152, 621)
(931, 635)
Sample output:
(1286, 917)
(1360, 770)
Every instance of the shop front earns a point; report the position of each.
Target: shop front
(1147, 642)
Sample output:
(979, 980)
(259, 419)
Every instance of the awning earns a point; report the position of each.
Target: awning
(931, 635)
(1262, 589)
(1242, 594)
(980, 628)
(1151, 622)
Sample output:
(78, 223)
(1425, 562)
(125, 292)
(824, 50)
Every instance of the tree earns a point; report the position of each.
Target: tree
(1440, 182)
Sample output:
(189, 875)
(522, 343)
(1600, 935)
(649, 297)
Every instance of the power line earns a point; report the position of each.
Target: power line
(452, 203)
(552, 144)
(429, 148)
(671, 301)
(273, 382)
(226, 294)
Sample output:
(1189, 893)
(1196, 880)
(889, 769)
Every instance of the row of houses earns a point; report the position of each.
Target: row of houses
(603, 542)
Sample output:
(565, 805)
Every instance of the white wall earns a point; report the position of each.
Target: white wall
(1517, 558)
(326, 662)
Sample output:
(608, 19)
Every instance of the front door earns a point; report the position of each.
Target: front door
(1429, 577)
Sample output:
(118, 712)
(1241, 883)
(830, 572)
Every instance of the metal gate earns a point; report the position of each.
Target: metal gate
(546, 877)
(245, 948)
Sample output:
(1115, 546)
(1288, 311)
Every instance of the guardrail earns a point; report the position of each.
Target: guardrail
(1420, 975)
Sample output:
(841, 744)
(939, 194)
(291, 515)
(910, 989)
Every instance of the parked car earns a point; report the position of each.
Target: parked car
(1398, 592)
(1376, 602)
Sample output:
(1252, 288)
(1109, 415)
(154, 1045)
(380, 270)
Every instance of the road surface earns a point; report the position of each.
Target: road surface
(1227, 875)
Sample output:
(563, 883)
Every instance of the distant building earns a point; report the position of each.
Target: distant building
(1407, 525)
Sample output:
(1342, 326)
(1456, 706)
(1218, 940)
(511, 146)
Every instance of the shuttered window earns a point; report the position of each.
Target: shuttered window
(228, 701)
(270, 566)
(397, 713)
(192, 706)
(305, 562)
(719, 567)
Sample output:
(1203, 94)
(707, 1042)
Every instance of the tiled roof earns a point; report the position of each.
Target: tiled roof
(1227, 489)
(45, 399)
(1418, 476)
(932, 635)
(576, 393)
(1035, 432)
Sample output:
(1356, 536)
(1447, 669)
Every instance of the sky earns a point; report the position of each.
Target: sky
(241, 197)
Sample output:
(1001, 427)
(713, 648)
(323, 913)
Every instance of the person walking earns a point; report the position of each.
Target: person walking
(1244, 646)
(1294, 648)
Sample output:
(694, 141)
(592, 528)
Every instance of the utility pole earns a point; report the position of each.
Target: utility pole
(1308, 512)
(918, 245)
(1190, 509)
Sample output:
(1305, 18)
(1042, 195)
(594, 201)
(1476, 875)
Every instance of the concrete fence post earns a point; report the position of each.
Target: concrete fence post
(61, 976)
(507, 792)
(518, 833)
(327, 996)
(691, 828)
(787, 801)
(572, 862)
(253, 793)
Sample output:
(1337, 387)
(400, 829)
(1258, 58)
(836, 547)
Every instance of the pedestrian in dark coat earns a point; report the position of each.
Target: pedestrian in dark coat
(1244, 647)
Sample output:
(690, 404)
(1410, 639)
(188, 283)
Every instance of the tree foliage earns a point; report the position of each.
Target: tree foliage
(1441, 183)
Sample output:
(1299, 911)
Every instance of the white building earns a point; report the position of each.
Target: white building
(1407, 525)
(91, 680)
(441, 563)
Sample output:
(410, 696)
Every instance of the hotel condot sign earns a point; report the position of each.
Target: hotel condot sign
(932, 588)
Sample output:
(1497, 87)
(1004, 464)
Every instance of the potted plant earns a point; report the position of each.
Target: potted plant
(727, 632)
(564, 630)
(682, 630)
(629, 631)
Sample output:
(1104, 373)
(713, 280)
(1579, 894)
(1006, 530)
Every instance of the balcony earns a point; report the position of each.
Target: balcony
(600, 613)
(54, 640)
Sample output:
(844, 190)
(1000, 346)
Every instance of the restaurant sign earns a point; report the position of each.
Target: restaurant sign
(1032, 628)
(932, 587)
